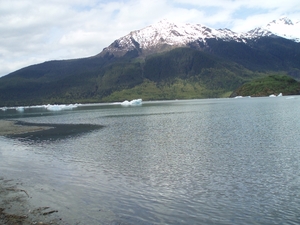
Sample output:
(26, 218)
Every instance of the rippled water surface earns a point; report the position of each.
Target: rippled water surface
(216, 161)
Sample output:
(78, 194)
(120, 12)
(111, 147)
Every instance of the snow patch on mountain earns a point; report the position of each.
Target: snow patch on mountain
(257, 33)
(286, 28)
(165, 32)
(166, 35)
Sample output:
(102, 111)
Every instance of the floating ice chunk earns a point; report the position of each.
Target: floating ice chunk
(53, 107)
(133, 102)
(125, 103)
(280, 94)
(60, 107)
(20, 109)
(238, 97)
(4, 108)
(36, 106)
(136, 102)
(71, 106)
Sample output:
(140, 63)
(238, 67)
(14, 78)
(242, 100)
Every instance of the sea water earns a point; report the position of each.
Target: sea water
(211, 161)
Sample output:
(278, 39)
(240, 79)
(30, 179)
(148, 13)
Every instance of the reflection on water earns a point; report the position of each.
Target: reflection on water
(223, 161)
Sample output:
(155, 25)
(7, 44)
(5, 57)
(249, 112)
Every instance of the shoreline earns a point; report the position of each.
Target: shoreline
(16, 128)
(16, 203)
(13, 127)
(15, 207)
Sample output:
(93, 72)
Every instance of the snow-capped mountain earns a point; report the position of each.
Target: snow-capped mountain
(214, 62)
(286, 28)
(166, 35)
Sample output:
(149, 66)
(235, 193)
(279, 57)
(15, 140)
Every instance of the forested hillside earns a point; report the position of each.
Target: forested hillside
(216, 70)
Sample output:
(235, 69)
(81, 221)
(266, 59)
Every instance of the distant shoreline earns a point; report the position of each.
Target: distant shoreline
(10, 127)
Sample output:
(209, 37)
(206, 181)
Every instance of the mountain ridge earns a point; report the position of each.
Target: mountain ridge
(191, 61)
(166, 35)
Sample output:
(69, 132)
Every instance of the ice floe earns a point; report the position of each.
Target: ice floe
(60, 107)
(20, 109)
(47, 107)
(272, 96)
(134, 102)
(242, 97)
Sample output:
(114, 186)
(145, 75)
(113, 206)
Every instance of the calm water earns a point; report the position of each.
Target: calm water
(216, 161)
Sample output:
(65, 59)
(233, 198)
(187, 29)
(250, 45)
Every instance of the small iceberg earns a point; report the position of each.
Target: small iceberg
(20, 109)
(134, 102)
(242, 96)
(60, 107)
(272, 96)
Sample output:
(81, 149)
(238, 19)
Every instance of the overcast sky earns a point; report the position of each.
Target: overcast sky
(34, 31)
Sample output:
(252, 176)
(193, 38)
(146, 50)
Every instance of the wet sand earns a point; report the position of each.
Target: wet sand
(8, 127)
(15, 207)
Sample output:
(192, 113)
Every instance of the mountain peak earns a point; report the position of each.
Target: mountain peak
(286, 21)
(166, 35)
(285, 27)
(281, 21)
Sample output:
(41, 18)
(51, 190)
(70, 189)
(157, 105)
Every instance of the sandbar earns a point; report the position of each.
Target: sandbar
(10, 127)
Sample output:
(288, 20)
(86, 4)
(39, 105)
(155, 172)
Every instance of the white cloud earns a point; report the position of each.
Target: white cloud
(33, 31)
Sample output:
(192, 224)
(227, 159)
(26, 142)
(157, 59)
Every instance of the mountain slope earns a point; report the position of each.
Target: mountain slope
(166, 59)
(95, 83)
(266, 53)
